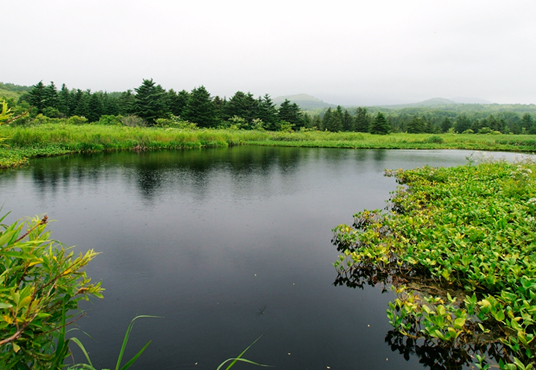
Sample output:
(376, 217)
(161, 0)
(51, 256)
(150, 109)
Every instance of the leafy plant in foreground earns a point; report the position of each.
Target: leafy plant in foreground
(41, 284)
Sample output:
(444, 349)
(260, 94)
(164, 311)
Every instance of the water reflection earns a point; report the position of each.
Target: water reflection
(226, 245)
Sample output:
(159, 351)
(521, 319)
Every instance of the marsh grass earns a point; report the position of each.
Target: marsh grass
(48, 139)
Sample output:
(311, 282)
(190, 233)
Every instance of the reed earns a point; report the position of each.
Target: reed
(23, 142)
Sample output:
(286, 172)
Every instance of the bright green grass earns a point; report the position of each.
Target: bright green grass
(56, 139)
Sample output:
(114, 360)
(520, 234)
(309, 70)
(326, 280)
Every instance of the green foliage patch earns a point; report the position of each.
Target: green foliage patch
(458, 247)
(41, 284)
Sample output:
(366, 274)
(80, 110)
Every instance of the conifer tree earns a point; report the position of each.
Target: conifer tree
(51, 96)
(126, 103)
(291, 113)
(64, 98)
(334, 123)
(326, 118)
(150, 101)
(200, 109)
(347, 122)
(527, 122)
(462, 123)
(446, 124)
(37, 97)
(243, 105)
(379, 125)
(417, 125)
(268, 112)
(94, 108)
(362, 120)
(81, 100)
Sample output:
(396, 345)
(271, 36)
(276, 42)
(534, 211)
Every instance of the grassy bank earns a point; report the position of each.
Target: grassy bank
(458, 246)
(22, 143)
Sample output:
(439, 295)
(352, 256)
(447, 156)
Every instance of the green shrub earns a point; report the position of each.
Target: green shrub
(133, 121)
(110, 120)
(75, 120)
(175, 122)
(41, 284)
(434, 139)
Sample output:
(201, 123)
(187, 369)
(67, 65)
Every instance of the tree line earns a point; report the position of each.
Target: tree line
(151, 102)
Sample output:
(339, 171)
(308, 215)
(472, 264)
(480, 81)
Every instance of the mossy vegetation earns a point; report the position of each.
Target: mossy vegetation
(458, 249)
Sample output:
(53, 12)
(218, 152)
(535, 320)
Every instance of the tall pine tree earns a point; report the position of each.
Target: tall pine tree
(150, 102)
(362, 120)
(200, 109)
(379, 125)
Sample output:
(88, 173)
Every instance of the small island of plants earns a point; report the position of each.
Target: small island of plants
(457, 247)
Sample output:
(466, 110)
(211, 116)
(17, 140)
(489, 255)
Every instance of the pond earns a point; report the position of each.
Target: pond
(225, 245)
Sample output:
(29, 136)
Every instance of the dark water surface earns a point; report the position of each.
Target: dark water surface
(226, 245)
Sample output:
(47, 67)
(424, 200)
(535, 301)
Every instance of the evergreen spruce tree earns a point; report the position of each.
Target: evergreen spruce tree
(200, 109)
(51, 96)
(379, 125)
(462, 123)
(219, 107)
(109, 104)
(347, 122)
(417, 125)
(527, 122)
(317, 122)
(126, 103)
(446, 124)
(37, 97)
(150, 102)
(81, 100)
(326, 118)
(94, 108)
(291, 113)
(182, 101)
(268, 112)
(362, 120)
(64, 98)
(173, 103)
(243, 105)
(334, 123)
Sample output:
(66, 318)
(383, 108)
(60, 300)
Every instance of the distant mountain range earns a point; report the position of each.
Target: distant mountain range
(308, 102)
(435, 102)
(304, 101)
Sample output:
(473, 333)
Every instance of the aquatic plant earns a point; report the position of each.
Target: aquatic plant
(457, 247)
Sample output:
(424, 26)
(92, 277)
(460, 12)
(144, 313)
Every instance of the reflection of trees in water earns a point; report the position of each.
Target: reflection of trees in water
(156, 172)
(379, 155)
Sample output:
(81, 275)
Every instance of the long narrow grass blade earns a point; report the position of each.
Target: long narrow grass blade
(81, 346)
(133, 359)
(127, 335)
(81, 366)
(238, 357)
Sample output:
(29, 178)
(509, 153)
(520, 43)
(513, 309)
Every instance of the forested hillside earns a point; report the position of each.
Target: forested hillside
(149, 103)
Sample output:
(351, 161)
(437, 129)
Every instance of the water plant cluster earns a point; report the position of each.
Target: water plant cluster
(457, 246)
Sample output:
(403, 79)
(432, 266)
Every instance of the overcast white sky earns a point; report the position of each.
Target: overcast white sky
(344, 52)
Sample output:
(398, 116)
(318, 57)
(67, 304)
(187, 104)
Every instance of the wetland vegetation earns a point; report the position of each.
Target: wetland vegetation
(456, 244)
(457, 247)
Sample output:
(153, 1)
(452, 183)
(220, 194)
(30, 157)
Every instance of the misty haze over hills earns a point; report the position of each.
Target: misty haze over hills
(308, 102)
